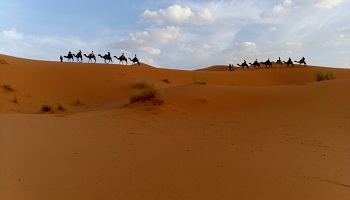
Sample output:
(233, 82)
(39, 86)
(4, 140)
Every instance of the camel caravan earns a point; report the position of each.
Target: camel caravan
(268, 63)
(92, 58)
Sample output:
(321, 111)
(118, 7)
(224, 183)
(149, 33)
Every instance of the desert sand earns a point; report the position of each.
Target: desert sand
(260, 134)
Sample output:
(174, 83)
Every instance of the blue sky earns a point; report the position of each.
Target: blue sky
(187, 34)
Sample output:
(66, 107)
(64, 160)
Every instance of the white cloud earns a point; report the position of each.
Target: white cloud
(151, 50)
(202, 49)
(157, 35)
(341, 37)
(180, 15)
(149, 40)
(12, 34)
(328, 3)
(247, 46)
(291, 47)
(272, 29)
(278, 8)
(165, 35)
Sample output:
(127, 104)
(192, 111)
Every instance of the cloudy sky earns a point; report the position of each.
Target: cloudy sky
(180, 34)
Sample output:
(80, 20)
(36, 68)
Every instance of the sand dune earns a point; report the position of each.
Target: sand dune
(260, 134)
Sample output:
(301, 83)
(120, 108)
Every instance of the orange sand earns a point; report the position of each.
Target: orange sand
(259, 134)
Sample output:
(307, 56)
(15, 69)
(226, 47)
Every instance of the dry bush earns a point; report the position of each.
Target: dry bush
(15, 99)
(166, 80)
(200, 80)
(46, 108)
(62, 107)
(145, 91)
(2, 61)
(8, 87)
(324, 76)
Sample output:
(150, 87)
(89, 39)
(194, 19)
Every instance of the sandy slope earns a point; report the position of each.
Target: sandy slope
(260, 134)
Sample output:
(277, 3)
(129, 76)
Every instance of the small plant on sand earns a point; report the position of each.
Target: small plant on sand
(324, 76)
(329, 76)
(2, 61)
(46, 108)
(145, 91)
(166, 80)
(15, 99)
(61, 107)
(77, 102)
(199, 80)
(8, 87)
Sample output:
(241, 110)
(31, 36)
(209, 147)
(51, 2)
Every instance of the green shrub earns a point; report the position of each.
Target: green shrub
(145, 91)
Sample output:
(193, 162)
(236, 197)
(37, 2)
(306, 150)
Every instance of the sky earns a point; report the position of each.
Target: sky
(176, 34)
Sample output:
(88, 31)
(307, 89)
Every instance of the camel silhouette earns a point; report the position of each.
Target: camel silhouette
(121, 59)
(288, 63)
(243, 65)
(256, 64)
(90, 56)
(302, 61)
(78, 56)
(134, 60)
(267, 63)
(106, 57)
(279, 61)
(69, 57)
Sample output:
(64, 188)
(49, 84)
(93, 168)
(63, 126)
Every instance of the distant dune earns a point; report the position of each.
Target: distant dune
(275, 133)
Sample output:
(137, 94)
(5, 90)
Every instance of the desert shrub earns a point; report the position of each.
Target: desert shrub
(145, 91)
(2, 61)
(166, 80)
(329, 76)
(77, 102)
(8, 87)
(324, 76)
(46, 108)
(61, 107)
(15, 99)
(200, 80)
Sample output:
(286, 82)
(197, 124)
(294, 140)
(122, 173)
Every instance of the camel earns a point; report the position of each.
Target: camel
(267, 64)
(90, 56)
(121, 59)
(243, 65)
(134, 60)
(279, 61)
(78, 56)
(302, 61)
(256, 64)
(106, 57)
(289, 62)
(69, 57)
